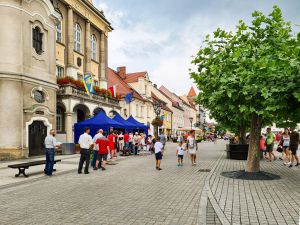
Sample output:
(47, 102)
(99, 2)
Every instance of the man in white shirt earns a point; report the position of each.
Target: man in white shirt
(50, 145)
(86, 143)
(158, 146)
(95, 150)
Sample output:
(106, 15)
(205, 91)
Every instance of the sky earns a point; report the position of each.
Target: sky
(161, 36)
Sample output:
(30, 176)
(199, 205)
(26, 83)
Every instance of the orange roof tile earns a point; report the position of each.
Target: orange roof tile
(122, 87)
(133, 77)
(192, 92)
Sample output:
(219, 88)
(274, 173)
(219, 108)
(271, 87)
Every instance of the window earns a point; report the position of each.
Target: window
(79, 76)
(77, 37)
(59, 119)
(39, 96)
(59, 71)
(142, 111)
(59, 32)
(137, 111)
(96, 83)
(94, 47)
(37, 40)
(146, 91)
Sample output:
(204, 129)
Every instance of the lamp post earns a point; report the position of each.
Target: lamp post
(191, 120)
(157, 110)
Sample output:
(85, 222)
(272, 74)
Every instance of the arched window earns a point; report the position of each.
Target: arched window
(37, 40)
(77, 37)
(94, 47)
(59, 32)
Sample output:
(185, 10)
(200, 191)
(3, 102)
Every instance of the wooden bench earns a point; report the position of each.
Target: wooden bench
(23, 166)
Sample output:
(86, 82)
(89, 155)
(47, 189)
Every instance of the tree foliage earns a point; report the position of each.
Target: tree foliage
(252, 72)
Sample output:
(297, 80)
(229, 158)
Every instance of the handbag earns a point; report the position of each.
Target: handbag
(279, 149)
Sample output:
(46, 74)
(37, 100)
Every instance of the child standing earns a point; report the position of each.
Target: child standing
(179, 154)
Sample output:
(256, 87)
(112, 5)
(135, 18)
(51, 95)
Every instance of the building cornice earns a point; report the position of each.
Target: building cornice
(25, 78)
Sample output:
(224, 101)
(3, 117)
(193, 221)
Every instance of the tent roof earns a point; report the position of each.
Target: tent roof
(121, 120)
(101, 119)
(136, 123)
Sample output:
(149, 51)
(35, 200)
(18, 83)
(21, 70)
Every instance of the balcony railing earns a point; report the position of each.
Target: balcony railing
(70, 90)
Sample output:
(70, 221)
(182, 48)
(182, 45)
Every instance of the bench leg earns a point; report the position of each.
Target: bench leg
(21, 171)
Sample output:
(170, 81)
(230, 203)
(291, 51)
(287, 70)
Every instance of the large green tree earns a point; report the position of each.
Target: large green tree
(251, 75)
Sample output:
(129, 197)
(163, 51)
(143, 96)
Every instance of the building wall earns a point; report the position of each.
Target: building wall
(23, 71)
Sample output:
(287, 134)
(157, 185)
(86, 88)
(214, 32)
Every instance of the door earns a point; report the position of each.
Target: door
(37, 135)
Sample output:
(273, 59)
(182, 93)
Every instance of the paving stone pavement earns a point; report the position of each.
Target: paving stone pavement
(131, 192)
(257, 202)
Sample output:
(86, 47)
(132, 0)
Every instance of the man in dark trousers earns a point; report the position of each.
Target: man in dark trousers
(294, 143)
(86, 143)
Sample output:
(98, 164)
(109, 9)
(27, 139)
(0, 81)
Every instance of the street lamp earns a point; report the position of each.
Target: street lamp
(191, 120)
(157, 110)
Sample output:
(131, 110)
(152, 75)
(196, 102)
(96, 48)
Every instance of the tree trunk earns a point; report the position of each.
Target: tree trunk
(242, 134)
(253, 152)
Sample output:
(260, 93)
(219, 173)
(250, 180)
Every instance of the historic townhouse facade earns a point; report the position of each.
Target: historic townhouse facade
(141, 108)
(81, 49)
(27, 76)
(137, 105)
(47, 48)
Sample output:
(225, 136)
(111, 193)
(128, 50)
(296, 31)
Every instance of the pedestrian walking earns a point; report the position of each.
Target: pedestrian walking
(111, 143)
(192, 147)
(294, 143)
(285, 143)
(103, 147)
(50, 145)
(86, 143)
(130, 142)
(158, 148)
(179, 154)
(163, 140)
(95, 150)
(121, 141)
(262, 147)
(270, 139)
(136, 143)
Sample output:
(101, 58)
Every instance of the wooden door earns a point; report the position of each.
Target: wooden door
(37, 135)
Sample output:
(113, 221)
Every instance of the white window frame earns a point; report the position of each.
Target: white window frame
(96, 83)
(60, 71)
(94, 47)
(59, 32)
(77, 37)
(59, 120)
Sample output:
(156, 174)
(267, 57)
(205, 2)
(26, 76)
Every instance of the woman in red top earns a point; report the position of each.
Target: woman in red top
(103, 149)
(111, 144)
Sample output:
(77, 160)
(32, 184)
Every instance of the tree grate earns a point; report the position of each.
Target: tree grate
(204, 170)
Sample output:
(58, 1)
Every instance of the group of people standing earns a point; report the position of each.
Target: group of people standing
(288, 143)
(106, 146)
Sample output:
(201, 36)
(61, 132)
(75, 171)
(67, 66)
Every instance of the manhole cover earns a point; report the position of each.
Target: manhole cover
(204, 170)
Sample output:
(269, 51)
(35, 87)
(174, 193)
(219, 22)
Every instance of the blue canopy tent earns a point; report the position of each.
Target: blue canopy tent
(100, 121)
(138, 126)
(126, 124)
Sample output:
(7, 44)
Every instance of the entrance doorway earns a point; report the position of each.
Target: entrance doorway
(37, 135)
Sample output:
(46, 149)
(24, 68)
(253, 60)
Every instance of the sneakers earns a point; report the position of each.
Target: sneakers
(178, 164)
(297, 164)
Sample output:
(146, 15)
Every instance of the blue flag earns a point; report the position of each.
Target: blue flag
(88, 84)
(128, 97)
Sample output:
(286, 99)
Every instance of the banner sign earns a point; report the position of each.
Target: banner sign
(88, 84)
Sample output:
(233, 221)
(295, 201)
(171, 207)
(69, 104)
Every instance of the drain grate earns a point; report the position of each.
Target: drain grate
(204, 170)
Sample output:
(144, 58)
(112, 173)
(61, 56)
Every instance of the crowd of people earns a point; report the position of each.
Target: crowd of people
(287, 144)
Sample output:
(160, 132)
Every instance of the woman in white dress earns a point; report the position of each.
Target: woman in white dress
(191, 145)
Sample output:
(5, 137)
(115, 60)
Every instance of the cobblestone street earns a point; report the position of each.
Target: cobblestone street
(133, 192)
